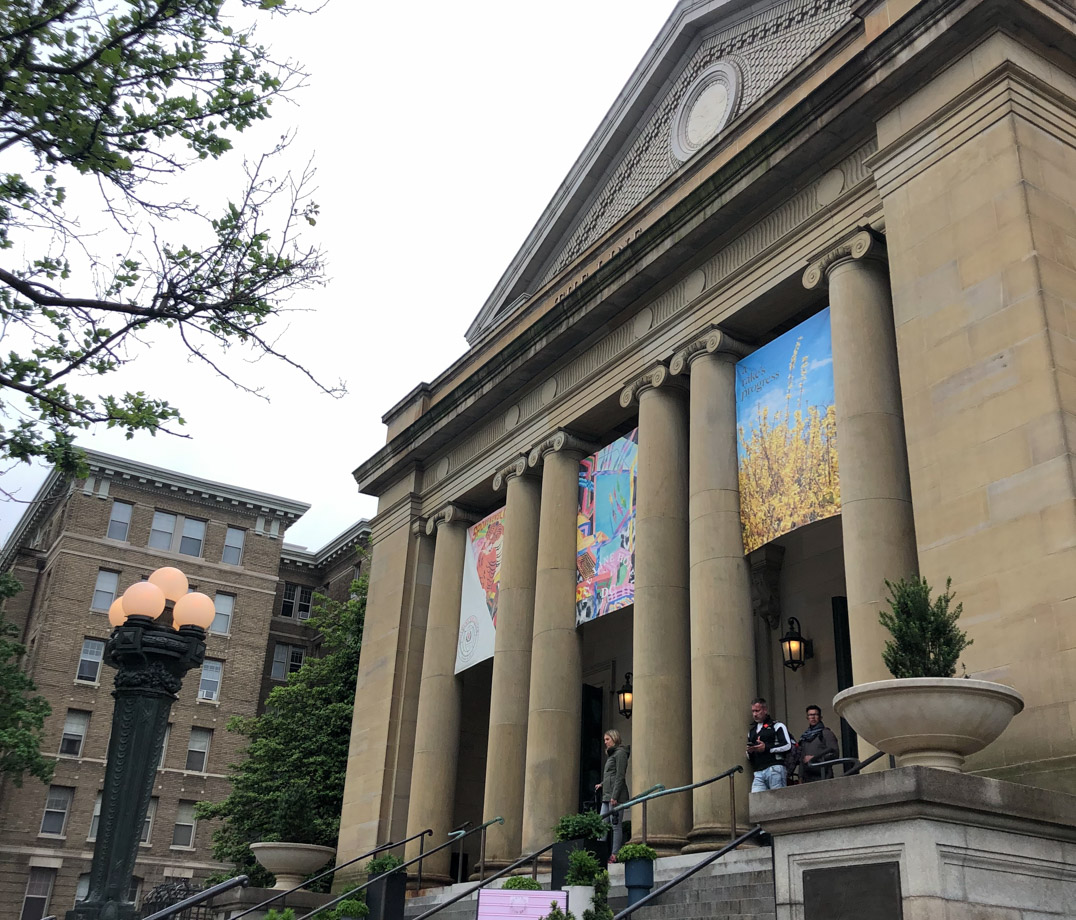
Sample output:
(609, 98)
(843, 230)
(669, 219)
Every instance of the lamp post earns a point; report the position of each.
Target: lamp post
(151, 659)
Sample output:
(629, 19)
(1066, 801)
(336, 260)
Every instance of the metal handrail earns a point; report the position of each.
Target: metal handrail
(240, 881)
(687, 873)
(481, 849)
(656, 792)
(310, 881)
(522, 861)
(453, 837)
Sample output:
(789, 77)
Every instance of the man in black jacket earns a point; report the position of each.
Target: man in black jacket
(767, 743)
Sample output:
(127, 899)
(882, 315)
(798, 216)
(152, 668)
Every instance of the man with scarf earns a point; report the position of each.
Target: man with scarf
(818, 743)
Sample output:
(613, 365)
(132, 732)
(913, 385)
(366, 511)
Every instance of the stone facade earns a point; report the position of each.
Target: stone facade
(79, 542)
(907, 164)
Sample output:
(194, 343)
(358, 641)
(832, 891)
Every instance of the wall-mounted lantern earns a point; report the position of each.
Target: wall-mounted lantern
(794, 648)
(624, 697)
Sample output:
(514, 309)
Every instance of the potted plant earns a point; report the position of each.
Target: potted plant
(586, 831)
(385, 895)
(349, 909)
(291, 852)
(521, 883)
(583, 868)
(600, 909)
(925, 716)
(638, 860)
(555, 913)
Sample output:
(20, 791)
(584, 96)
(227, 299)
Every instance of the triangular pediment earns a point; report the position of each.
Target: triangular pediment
(713, 62)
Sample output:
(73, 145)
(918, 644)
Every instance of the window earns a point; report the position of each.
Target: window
(74, 735)
(224, 604)
(164, 747)
(95, 818)
(183, 833)
(82, 889)
(198, 749)
(89, 662)
(147, 825)
(209, 684)
(164, 526)
(233, 546)
(119, 524)
(190, 543)
(287, 659)
(38, 891)
(104, 592)
(57, 805)
(297, 600)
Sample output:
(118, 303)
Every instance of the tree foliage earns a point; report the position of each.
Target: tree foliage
(22, 713)
(117, 96)
(926, 640)
(290, 786)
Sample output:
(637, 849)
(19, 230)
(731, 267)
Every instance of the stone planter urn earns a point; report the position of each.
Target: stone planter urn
(929, 721)
(291, 863)
(579, 897)
(638, 879)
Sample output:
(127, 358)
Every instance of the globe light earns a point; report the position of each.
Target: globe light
(194, 609)
(117, 616)
(171, 581)
(143, 599)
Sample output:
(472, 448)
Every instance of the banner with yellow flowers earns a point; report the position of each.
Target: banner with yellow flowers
(787, 433)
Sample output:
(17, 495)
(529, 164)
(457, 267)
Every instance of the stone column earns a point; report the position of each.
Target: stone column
(876, 504)
(551, 786)
(505, 761)
(722, 637)
(661, 732)
(437, 730)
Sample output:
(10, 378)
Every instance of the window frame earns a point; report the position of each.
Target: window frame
(193, 825)
(99, 661)
(184, 536)
(45, 899)
(146, 837)
(207, 733)
(81, 737)
(220, 680)
(153, 528)
(178, 534)
(217, 612)
(288, 660)
(112, 592)
(296, 601)
(164, 746)
(70, 795)
(95, 817)
(227, 546)
(112, 519)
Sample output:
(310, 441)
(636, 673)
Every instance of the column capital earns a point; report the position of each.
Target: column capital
(418, 526)
(713, 341)
(449, 514)
(653, 377)
(516, 468)
(560, 440)
(865, 243)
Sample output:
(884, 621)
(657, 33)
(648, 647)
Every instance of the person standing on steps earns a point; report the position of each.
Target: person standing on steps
(767, 743)
(818, 743)
(614, 786)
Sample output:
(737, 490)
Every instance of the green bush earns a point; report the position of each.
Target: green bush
(383, 863)
(349, 909)
(636, 851)
(926, 640)
(555, 913)
(286, 914)
(521, 883)
(583, 866)
(588, 826)
(600, 909)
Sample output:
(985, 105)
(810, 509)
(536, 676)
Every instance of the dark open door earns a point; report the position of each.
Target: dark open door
(590, 746)
(843, 648)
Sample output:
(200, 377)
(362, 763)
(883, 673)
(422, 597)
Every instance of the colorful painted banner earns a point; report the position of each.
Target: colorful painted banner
(481, 587)
(605, 548)
(787, 433)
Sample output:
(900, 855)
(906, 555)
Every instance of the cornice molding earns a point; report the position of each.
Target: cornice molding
(516, 468)
(418, 526)
(449, 514)
(714, 342)
(865, 244)
(560, 441)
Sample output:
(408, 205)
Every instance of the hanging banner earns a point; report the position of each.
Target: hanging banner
(481, 586)
(787, 433)
(605, 548)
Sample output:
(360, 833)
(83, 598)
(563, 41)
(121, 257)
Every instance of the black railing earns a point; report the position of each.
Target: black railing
(856, 765)
(454, 836)
(240, 881)
(656, 792)
(687, 873)
(385, 846)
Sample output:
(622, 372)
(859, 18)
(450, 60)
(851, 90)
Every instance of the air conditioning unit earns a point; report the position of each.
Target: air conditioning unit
(206, 695)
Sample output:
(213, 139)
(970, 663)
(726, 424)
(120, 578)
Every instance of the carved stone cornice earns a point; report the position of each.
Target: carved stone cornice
(517, 467)
(656, 376)
(765, 565)
(449, 514)
(865, 243)
(418, 526)
(560, 441)
(714, 341)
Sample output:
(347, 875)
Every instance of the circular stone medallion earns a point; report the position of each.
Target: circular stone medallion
(708, 105)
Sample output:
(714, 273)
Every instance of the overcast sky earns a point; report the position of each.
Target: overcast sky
(439, 132)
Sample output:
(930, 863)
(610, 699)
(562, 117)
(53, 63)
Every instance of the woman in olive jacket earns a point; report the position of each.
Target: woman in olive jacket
(614, 787)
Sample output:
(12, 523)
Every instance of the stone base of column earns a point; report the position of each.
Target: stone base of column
(666, 845)
(429, 880)
(493, 866)
(709, 837)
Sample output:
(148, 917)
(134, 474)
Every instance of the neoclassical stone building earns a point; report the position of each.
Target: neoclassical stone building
(907, 168)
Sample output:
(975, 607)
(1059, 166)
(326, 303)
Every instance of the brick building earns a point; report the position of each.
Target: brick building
(80, 544)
